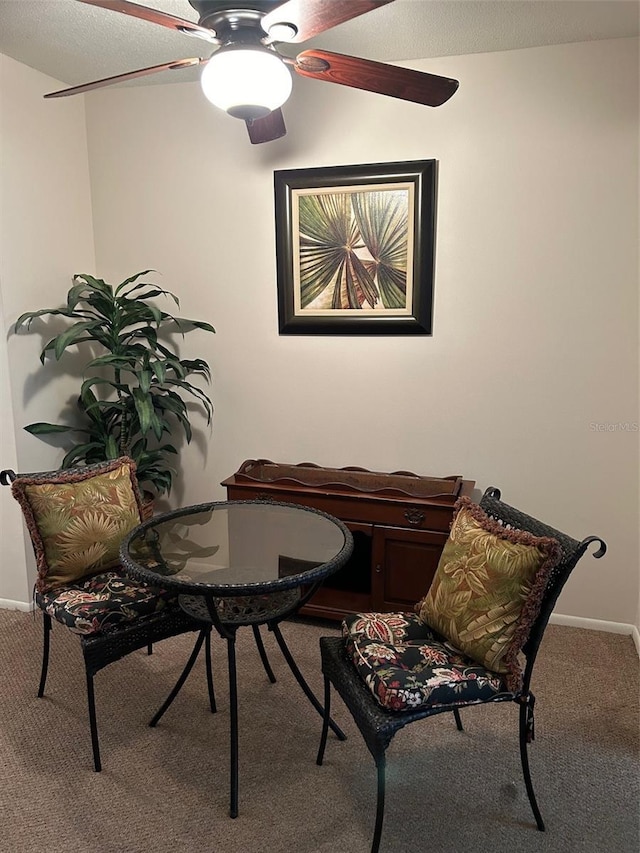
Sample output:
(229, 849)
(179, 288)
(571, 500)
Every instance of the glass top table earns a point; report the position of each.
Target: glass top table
(233, 564)
(232, 548)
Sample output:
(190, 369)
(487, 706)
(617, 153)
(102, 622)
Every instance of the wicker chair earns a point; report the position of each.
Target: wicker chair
(112, 614)
(379, 724)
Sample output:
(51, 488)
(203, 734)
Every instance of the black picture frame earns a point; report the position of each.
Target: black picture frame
(355, 249)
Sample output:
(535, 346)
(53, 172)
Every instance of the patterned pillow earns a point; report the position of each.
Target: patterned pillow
(77, 519)
(487, 589)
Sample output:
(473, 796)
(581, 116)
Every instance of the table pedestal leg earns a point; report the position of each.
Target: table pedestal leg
(263, 655)
(300, 679)
(209, 667)
(185, 672)
(233, 710)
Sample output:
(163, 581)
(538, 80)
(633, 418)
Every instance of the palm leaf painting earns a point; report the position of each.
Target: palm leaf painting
(353, 249)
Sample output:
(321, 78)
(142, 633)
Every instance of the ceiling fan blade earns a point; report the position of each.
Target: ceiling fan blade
(267, 128)
(155, 16)
(311, 17)
(403, 83)
(119, 78)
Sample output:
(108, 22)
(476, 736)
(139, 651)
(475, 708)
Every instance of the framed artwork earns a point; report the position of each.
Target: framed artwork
(355, 249)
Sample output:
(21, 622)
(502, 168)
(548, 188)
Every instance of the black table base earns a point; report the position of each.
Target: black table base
(235, 564)
(267, 610)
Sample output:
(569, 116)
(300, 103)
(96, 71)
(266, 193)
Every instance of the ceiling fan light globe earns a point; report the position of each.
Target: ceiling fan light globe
(246, 82)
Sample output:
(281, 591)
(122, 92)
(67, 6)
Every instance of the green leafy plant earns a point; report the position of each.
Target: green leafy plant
(134, 387)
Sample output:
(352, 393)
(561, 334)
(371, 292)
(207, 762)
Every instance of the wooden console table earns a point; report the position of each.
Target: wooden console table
(399, 521)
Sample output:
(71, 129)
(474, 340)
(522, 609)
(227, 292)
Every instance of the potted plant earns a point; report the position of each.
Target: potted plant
(134, 385)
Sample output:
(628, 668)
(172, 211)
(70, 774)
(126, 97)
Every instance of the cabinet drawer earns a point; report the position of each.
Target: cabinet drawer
(417, 517)
(392, 512)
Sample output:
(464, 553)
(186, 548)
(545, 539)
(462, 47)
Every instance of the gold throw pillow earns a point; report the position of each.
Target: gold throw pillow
(78, 519)
(487, 589)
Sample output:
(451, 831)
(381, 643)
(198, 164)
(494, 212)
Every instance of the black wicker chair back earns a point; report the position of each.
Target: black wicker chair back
(102, 647)
(572, 551)
(379, 725)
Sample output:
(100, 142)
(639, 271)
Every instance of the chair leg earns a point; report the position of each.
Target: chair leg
(381, 767)
(325, 721)
(45, 653)
(526, 727)
(150, 648)
(456, 715)
(263, 654)
(93, 724)
(207, 655)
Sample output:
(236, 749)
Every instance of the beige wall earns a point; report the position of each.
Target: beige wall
(535, 330)
(45, 235)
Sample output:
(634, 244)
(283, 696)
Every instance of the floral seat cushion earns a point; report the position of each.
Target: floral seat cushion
(407, 665)
(101, 602)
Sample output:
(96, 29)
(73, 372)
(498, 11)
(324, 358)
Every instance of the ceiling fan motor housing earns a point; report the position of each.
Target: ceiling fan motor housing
(225, 17)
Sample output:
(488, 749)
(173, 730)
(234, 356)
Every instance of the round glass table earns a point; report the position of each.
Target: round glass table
(233, 564)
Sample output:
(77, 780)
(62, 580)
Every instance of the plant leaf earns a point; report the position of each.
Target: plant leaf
(96, 283)
(144, 377)
(144, 409)
(158, 368)
(30, 316)
(111, 448)
(46, 429)
(186, 325)
(131, 279)
(82, 452)
(70, 336)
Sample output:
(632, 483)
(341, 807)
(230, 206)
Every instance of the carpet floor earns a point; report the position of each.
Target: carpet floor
(165, 790)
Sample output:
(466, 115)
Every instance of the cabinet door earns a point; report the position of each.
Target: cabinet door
(404, 563)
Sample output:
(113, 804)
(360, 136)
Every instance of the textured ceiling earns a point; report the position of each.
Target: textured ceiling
(76, 43)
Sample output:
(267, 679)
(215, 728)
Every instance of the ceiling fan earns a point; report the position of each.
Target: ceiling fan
(248, 77)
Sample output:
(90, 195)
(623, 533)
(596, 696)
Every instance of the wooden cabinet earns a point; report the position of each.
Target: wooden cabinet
(399, 521)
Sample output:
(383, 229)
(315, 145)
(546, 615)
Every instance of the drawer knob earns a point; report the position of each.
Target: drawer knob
(414, 516)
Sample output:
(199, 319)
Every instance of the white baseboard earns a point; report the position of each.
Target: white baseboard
(591, 624)
(597, 625)
(7, 604)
